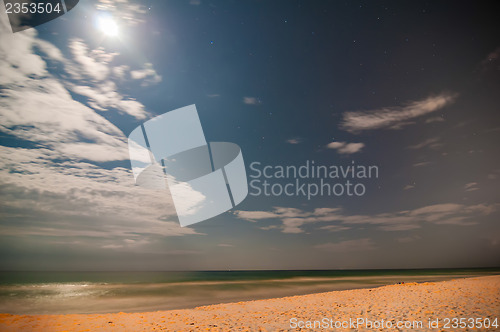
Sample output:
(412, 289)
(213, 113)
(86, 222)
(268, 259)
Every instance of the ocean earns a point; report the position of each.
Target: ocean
(105, 292)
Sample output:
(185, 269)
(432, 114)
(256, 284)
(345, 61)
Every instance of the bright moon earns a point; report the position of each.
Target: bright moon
(108, 26)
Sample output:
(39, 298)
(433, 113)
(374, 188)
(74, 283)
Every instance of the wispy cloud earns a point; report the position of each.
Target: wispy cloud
(433, 143)
(434, 119)
(472, 186)
(251, 100)
(128, 12)
(491, 60)
(346, 148)
(422, 163)
(121, 71)
(95, 66)
(296, 140)
(92, 63)
(395, 117)
(293, 220)
(52, 186)
(148, 75)
(334, 228)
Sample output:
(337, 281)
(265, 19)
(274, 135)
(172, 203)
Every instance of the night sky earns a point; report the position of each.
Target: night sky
(411, 87)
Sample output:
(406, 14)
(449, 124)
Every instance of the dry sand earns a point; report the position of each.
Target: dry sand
(460, 298)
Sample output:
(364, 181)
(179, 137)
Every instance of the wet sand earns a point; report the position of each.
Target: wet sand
(410, 303)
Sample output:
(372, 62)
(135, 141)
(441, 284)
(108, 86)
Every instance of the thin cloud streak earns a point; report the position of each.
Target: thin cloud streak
(346, 148)
(395, 117)
(293, 220)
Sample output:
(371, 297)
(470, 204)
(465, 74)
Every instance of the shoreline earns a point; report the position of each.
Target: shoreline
(473, 297)
(91, 296)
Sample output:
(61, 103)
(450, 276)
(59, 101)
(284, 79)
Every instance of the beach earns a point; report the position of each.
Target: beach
(421, 306)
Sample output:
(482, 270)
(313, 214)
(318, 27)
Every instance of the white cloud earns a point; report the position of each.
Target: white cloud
(395, 117)
(346, 148)
(35, 185)
(103, 96)
(255, 215)
(120, 71)
(147, 74)
(16, 52)
(334, 228)
(472, 186)
(51, 187)
(44, 113)
(434, 119)
(128, 12)
(294, 141)
(433, 143)
(421, 164)
(293, 220)
(90, 63)
(251, 100)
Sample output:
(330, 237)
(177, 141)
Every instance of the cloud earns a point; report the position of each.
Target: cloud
(51, 184)
(225, 245)
(421, 164)
(104, 96)
(294, 141)
(19, 62)
(120, 71)
(255, 215)
(43, 196)
(148, 74)
(433, 143)
(395, 117)
(346, 148)
(334, 228)
(127, 12)
(251, 100)
(472, 186)
(434, 119)
(348, 245)
(92, 64)
(491, 61)
(43, 112)
(293, 220)
(103, 93)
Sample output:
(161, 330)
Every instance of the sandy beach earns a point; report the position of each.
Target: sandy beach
(470, 299)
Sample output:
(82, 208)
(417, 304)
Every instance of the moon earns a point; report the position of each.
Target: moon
(108, 26)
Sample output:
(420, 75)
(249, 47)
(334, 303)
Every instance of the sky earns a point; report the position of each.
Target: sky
(411, 88)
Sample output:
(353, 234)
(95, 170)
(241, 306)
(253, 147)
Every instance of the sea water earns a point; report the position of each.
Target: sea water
(103, 292)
